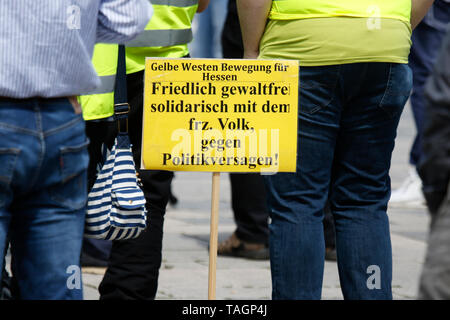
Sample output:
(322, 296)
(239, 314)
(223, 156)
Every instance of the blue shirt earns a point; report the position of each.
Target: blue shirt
(46, 46)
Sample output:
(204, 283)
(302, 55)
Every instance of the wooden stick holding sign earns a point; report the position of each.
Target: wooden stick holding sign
(220, 115)
(213, 237)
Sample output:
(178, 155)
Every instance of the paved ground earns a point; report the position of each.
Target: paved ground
(184, 271)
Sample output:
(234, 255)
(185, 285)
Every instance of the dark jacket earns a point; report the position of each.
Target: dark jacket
(434, 169)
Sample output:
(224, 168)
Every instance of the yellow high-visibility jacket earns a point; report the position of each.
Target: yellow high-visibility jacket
(166, 35)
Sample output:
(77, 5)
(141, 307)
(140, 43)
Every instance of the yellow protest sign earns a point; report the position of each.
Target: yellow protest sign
(220, 115)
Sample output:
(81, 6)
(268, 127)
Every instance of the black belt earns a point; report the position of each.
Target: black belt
(24, 100)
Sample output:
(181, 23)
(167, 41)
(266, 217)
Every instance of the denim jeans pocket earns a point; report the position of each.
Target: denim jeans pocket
(316, 87)
(398, 89)
(8, 158)
(71, 191)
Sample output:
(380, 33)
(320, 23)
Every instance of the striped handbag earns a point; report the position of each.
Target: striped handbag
(116, 204)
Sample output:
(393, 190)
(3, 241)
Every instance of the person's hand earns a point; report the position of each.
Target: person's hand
(75, 104)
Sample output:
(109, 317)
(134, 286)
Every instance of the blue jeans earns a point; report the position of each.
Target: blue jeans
(426, 41)
(207, 28)
(348, 117)
(43, 193)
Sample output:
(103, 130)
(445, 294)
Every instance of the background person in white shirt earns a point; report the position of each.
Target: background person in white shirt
(45, 61)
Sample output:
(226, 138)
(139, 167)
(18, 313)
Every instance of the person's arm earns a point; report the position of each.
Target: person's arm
(419, 10)
(252, 17)
(120, 21)
(202, 5)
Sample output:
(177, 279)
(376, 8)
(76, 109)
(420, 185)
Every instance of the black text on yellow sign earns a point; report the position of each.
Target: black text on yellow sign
(220, 115)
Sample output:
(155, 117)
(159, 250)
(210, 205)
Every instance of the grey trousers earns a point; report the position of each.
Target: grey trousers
(435, 278)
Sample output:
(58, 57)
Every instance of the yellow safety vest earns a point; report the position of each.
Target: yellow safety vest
(100, 103)
(304, 9)
(166, 35)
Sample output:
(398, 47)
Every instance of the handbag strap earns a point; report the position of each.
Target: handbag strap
(121, 106)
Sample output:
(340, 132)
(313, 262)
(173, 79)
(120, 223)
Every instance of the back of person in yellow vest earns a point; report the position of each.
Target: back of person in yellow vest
(133, 265)
(354, 81)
